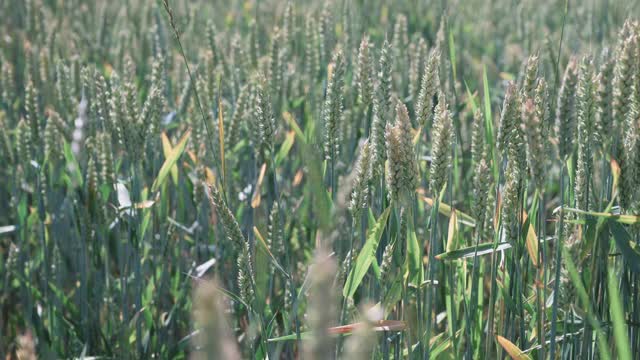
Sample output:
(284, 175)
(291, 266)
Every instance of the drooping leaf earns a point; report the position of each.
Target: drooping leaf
(512, 349)
(446, 210)
(624, 219)
(170, 161)
(483, 249)
(166, 149)
(286, 146)
(288, 118)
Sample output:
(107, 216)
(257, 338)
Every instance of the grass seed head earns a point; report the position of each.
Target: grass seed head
(428, 88)
(586, 111)
(443, 139)
(566, 111)
(365, 84)
(604, 97)
(360, 192)
(402, 169)
(381, 108)
(333, 107)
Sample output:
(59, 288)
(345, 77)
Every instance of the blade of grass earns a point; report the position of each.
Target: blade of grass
(170, 161)
(603, 346)
(616, 309)
(366, 256)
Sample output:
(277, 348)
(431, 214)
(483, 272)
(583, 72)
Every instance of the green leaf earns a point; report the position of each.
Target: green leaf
(445, 209)
(483, 249)
(624, 219)
(170, 161)
(414, 257)
(166, 149)
(623, 240)
(617, 317)
(366, 256)
(145, 223)
(471, 97)
(288, 118)
(72, 165)
(452, 233)
(286, 146)
(394, 294)
(586, 303)
(275, 262)
(488, 116)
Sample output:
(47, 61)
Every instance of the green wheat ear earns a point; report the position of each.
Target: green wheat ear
(32, 110)
(586, 131)
(52, 138)
(443, 138)
(246, 276)
(534, 113)
(604, 98)
(275, 239)
(24, 143)
(630, 159)
(402, 169)
(509, 119)
(510, 133)
(5, 141)
(381, 108)
(428, 88)
(477, 137)
(7, 91)
(237, 118)
(623, 81)
(510, 206)
(481, 188)
(400, 44)
(229, 222)
(333, 107)
(365, 84)
(275, 64)
(265, 120)
(360, 192)
(105, 158)
(530, 75)
(312, 52)
(566, 110)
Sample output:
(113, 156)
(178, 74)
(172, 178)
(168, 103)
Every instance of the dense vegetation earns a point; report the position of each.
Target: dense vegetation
(320, 179)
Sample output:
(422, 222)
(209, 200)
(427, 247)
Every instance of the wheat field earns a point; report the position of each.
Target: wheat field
(336, 179)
